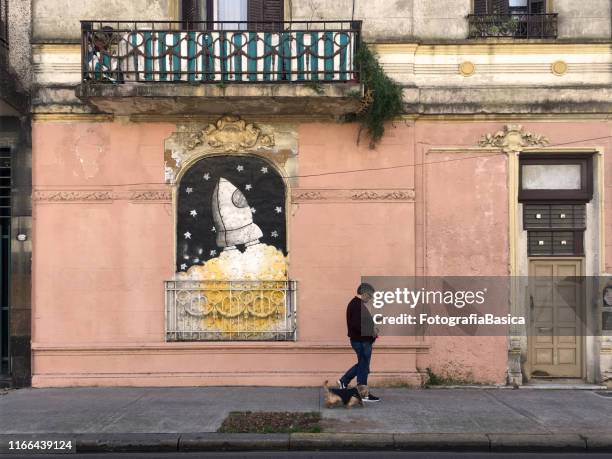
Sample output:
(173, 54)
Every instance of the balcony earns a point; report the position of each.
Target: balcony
(512, 25)
(138, 67)
(230, 310)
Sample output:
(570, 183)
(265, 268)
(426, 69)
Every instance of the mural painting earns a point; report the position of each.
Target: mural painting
(231, 243)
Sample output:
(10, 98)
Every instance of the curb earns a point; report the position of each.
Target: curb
(460, 442)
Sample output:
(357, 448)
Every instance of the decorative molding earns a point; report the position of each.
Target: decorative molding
(72, 117)
(467, 68)
(62, 48)
(513, 139)
(101, 196)
(72, 196)
(558, 68)
(300, 195)
(354, 195)
(231, 134)
(383, 195)
(151, 195)
(195, 139)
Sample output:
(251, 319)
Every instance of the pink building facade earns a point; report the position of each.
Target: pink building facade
(200, 210)
(430, 200)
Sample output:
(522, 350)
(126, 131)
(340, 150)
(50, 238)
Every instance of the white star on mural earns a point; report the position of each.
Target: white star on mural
(183, 267)
(213, 229)
(274, 234)
(278, 209)
(193, 213)
(206, 176)
(213, 253)
(253, 210)
(248, 187)
(264, 170)
(200, 251)
(187, 235)
(239, 168)
(189, 190)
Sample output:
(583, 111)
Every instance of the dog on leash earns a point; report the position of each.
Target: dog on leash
(348, 398)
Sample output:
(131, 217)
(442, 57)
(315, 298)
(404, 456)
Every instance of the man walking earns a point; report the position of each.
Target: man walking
(362, 335)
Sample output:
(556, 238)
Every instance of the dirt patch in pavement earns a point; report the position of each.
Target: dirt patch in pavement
(270, 422)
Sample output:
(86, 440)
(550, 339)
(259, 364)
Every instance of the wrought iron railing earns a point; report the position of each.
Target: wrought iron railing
(219, 52)
(230, 310)
(513, 25)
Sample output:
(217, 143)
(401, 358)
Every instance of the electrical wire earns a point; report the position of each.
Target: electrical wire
(369, 169)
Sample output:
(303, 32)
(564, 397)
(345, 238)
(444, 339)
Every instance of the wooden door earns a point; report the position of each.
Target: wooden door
(557, 302)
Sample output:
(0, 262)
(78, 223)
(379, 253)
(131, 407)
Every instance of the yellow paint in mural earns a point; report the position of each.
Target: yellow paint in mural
(253, 302)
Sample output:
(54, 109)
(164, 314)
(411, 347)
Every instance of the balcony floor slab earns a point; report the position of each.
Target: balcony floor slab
(261, 98)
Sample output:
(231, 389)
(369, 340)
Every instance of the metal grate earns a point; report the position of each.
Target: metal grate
(513, 25)
(214, 52)
(555, 243)
(554, 216)
(5, 234)
(230, 310)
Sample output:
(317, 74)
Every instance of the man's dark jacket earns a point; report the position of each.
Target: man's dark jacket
(359, 321)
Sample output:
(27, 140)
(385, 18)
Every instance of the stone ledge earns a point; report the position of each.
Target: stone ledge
(508, 100)
(269, 346)
(260, 98)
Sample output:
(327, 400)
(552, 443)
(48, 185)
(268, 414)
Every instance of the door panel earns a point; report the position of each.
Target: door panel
(555, 344)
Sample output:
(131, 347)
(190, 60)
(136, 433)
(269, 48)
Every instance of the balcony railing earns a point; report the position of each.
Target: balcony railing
(513, 25)
(230, 310)
(220, 52)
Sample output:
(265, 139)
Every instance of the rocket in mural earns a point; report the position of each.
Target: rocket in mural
(233, 217)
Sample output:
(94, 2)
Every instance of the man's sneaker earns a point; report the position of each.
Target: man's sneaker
(341, 385)
(370, 398)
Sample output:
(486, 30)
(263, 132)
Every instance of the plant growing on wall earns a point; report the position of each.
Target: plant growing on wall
(383, 97)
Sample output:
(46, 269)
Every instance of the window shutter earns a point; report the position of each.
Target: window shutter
(500, 7)
(255, 13)
(189, 10)
(273, 10)
(480, 7)
(537, 6)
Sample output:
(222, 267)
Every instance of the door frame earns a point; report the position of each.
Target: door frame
(594, 264)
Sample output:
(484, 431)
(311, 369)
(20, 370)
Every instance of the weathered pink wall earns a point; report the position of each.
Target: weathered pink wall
(462, 214)
(96, 266)
(99, 265)
(334, 244)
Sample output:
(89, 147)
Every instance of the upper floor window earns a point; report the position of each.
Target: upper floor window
(4, 22)
(233, 14)
(512, 19)
(509, 6)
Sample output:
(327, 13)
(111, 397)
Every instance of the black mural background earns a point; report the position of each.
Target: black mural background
(266, 195)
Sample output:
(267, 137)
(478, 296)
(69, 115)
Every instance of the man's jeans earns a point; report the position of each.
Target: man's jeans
(363, 349)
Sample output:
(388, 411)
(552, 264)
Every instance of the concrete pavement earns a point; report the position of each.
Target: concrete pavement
(476, 419)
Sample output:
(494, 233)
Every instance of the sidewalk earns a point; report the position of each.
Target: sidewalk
(476, 419)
